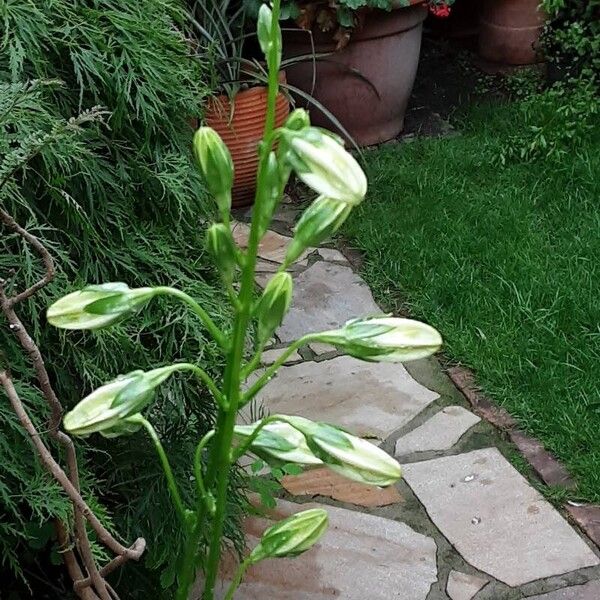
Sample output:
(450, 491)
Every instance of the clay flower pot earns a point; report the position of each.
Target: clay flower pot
(240, 124)
(367, 84)
(510, 31)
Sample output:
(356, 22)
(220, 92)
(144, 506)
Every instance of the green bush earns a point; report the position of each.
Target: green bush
(118, 200)
(572, 37)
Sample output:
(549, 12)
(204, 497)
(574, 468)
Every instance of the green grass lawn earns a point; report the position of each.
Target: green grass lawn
(505, 262)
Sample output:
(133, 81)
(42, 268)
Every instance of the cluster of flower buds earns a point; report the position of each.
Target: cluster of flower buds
(293, 439)
(385, 339)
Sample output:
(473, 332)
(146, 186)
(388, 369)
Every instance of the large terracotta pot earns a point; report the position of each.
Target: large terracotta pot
(367, 84)
(510, 30)
(240, 124)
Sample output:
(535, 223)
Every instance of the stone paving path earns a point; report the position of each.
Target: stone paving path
(462, 524)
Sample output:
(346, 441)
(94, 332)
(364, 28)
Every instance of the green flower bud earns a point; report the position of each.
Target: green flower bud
(97, 306)
(347, 454)
(276, 443)
(215, 165)
(297, 120)
(270, 187)
(108, 409)
(273, 305)
(318, 222)
(222, 247)
(269, 41)
(321, 162)
(291, 536)
(385, 339)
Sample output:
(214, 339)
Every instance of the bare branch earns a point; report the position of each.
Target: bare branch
(94, 586)
(49, 267)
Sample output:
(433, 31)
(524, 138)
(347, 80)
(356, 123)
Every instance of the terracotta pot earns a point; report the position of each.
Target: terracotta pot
(510, 30)
(240, 124)
(367, 84)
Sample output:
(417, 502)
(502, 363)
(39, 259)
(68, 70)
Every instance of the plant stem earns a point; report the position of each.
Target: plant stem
(221, 462)
(205, 378)
(244, 448)
(198, 310)
(198, 465)
(176, 497)
(266, 376)
(237, 579)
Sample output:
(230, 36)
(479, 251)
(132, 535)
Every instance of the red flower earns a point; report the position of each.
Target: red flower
(441, 10)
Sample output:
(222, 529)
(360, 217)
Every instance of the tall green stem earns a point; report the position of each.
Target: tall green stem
(222, 461)
(218, 471)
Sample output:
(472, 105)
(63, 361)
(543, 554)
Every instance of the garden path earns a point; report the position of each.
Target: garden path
(462, 524)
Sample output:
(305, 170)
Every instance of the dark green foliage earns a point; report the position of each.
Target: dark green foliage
(113, 201)
(572, 37)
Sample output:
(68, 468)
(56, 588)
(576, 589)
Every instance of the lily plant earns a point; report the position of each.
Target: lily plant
(117, 408)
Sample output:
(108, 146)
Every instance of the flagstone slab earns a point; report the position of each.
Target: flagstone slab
(462, 586)
(324, 482)
(332, 255)
(320, 348)
(360, 556)
(326, 295)
(270, 356)
(440, 432)
(495, 519)
(589, 591)
(272, 247)
(368, 399)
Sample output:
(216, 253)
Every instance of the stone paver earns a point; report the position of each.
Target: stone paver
(332, 255)
(325, 297)
(587, 517)
(462, 586)
(270, 356)
(272, 247)
(491, 516)
(589, 591)
(369, 399)
(360, 556)
(324, 482)
(495, 519)
(319, 348)
(440, 432)
(546, 466)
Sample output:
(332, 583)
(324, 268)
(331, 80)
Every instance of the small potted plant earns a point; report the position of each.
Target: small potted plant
(238, 112)
(367, 53)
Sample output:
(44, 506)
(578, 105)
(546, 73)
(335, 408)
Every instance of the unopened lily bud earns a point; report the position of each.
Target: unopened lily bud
(318, 222)
(107, 409)
(222, 247)
(347, 454)
(215, 165)
(273, 305)
(291, 536)
(297, 120)
(385, 339)
(277, 442)
(269, 40)
(270, 185)
(323, 164)
(97, 306)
